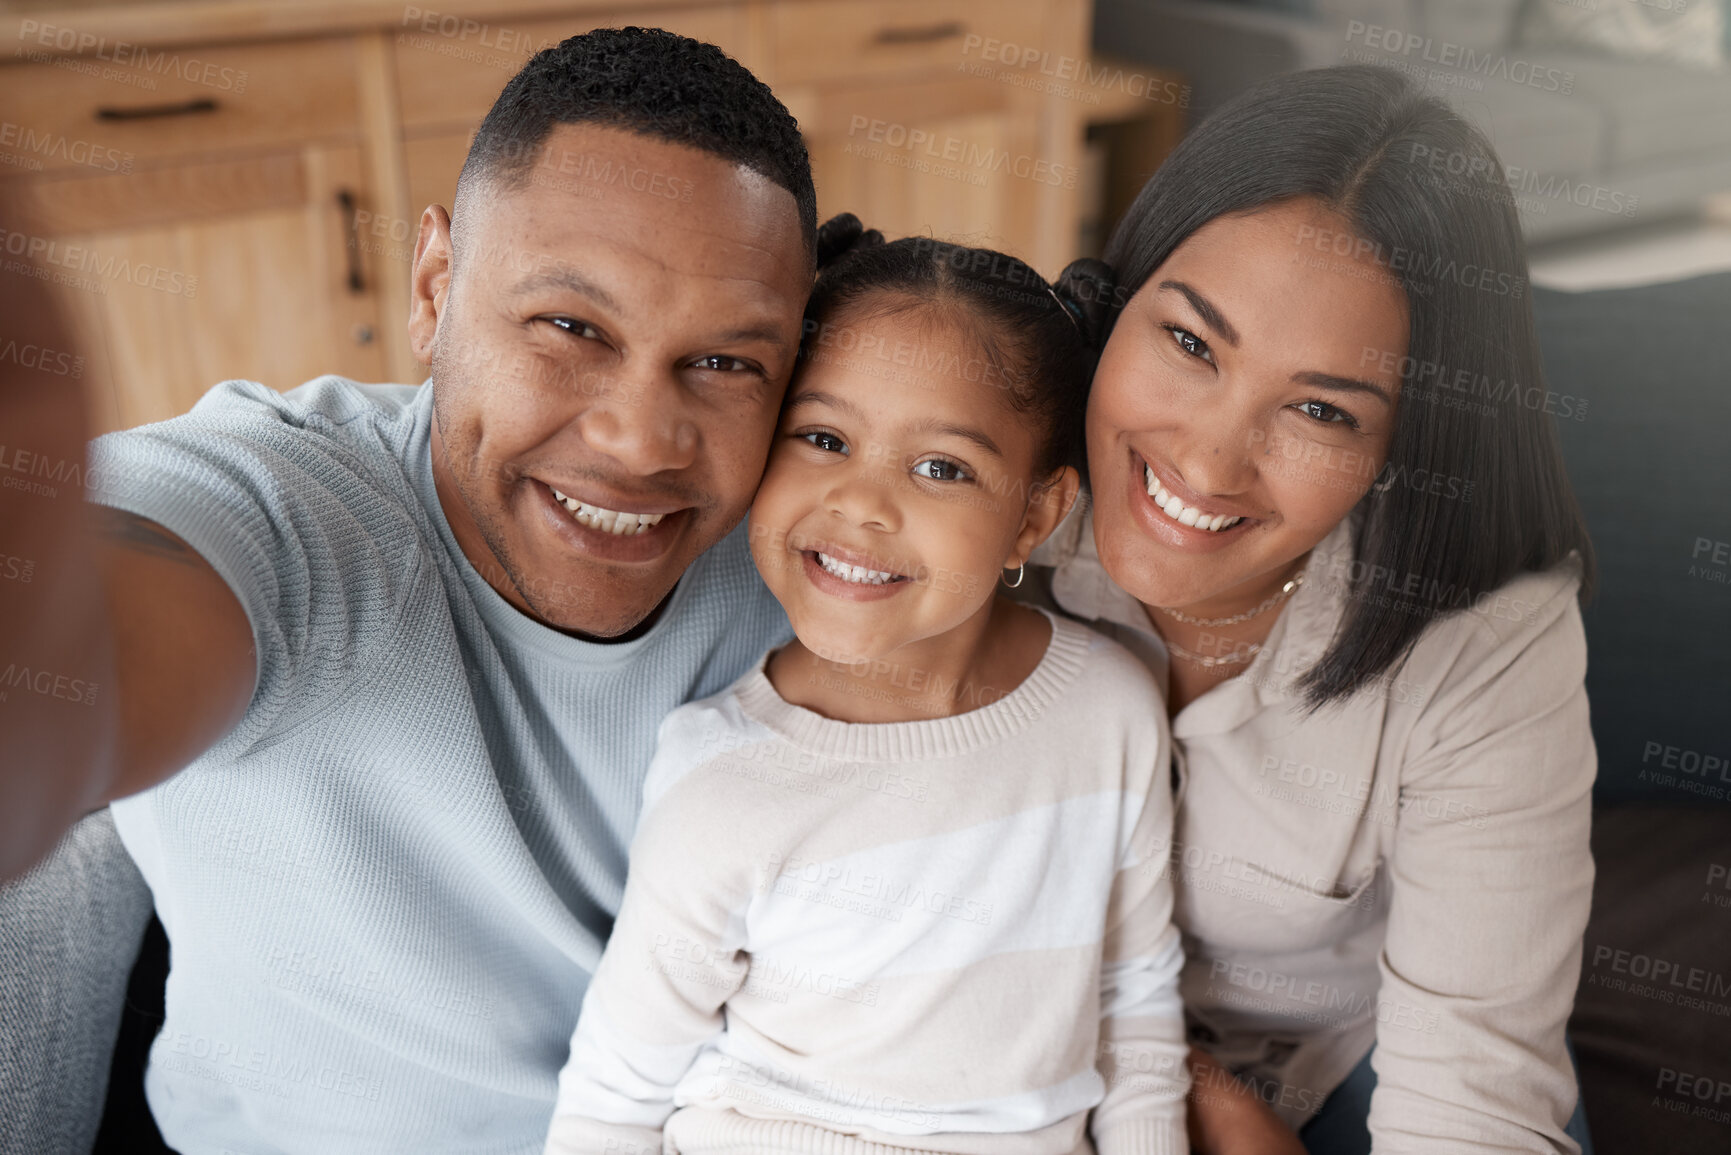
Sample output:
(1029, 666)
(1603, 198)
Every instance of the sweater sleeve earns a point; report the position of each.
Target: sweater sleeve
(1490, 881)
(675, 956)
(1142, 1043)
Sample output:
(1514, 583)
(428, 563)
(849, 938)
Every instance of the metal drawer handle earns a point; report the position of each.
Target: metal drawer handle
(920, 34)
(351, 226)
(158, 111)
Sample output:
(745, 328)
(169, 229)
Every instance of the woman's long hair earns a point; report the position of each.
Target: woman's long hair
(1427, 197)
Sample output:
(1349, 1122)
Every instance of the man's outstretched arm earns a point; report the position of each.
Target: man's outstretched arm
(123, 654)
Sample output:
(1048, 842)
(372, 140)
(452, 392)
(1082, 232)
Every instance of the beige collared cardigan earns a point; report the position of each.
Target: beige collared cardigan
(1409, 869)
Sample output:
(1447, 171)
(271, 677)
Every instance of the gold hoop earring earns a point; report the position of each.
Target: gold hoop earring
(1020, 572)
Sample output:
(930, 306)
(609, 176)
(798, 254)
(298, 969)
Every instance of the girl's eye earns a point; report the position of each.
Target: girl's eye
(722, 364)
(1191, 344)
(1323, 411)
(937, 469)
(828, 442)
(576, 328)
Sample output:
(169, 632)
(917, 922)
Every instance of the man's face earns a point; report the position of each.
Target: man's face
(616, 333)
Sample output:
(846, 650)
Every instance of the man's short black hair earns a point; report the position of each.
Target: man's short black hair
(648, 81)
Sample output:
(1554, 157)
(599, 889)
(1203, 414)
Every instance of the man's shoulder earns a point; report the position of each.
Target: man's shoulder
(329, 401)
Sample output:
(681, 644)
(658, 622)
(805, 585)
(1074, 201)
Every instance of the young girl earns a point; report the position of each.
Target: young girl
(904, 886)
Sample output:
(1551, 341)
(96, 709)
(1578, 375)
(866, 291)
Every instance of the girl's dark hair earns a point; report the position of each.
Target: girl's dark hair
(1030, 343)
(1427, 198)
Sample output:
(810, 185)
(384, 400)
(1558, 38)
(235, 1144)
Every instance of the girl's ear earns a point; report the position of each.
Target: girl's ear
(1048, 502)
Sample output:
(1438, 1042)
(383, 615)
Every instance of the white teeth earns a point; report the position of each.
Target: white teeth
(1173, 507)
(854, 573)
(607, 520)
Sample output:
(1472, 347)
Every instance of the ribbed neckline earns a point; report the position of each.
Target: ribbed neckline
(949, 737)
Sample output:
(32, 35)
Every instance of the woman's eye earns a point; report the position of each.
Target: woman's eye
(937, 469)
(721, 364)
(828, 442)
(575, 327)
(1323, 411)
(1192, 344)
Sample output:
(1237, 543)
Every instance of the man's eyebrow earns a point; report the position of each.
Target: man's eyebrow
(1206, 310)
(930, 425)
(768, 332)
(571, 280)
(1345, 385)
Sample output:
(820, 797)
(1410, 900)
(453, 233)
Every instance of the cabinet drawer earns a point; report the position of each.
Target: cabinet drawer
(449, 74)
(814, 41)
(130, 104)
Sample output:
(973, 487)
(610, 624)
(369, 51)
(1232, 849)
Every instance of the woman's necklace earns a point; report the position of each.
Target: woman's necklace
(1273, 600)
(1243, 654)
(1209, 662)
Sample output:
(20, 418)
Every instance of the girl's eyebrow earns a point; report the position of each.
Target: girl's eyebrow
(819, 397)
(965, 432)
(929, 425)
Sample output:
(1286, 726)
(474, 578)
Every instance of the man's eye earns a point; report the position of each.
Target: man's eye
(576, 328)
(1189, 342)
(1323, 411)
(937, 469)
(828, 442)
(721, 364)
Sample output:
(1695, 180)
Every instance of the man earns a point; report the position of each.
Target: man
(412, 646)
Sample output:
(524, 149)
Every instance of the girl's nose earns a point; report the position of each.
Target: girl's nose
(864, 494)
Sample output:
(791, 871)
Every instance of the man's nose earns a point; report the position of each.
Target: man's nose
(639, 421)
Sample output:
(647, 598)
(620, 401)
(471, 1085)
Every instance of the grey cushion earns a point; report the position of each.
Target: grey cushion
(69, 931)
(1471, 23)
(1533, 130)
(1651, 110)
(1649, 463)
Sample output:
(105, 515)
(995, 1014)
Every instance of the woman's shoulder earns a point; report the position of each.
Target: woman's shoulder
(1533, 608)
(1505, 659)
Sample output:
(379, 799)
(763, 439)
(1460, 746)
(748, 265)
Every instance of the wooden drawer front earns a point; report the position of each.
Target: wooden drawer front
(449, 74)
(127, 105)
(822, 40)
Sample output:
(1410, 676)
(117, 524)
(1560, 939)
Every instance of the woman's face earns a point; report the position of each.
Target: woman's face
(1242, 406)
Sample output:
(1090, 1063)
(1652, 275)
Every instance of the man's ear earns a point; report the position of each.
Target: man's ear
(1047, 505)
(430, 281)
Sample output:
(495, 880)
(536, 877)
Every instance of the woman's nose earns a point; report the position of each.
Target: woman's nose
(1213, 452)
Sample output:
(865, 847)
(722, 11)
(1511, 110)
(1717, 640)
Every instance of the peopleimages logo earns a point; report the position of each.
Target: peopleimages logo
(1447, 54)
(164, 62)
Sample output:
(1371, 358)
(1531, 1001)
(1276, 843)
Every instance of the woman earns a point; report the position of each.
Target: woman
(1329, 511)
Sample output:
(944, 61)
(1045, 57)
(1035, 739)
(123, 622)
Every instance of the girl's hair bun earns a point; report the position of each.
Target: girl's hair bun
(843, 234)
(1088, 289)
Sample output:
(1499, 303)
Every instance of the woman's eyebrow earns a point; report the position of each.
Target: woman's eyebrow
(1206, 310)
(1344, 384)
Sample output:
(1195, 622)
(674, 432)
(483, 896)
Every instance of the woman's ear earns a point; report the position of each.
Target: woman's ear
(1048, 502)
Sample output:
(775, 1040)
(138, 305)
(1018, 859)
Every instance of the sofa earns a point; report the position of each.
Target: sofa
(82, 962)
(1591, 142)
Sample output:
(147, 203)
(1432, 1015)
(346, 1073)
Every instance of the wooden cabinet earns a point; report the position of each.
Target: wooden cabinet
(235, 187)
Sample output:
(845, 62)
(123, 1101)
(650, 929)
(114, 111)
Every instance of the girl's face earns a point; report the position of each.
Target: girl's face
(1243, 405)
(898, 487)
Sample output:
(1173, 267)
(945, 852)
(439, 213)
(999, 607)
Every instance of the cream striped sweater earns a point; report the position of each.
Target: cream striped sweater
(950, 935)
